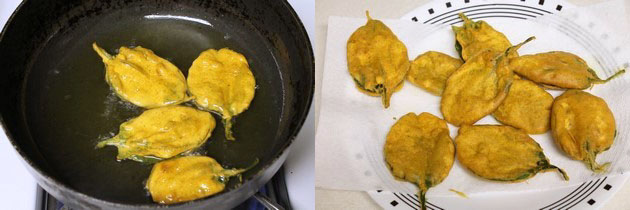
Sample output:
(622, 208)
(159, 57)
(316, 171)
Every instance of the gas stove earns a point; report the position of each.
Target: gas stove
(274, 191)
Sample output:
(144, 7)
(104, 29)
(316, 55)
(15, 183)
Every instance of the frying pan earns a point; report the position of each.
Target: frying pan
(56, 105)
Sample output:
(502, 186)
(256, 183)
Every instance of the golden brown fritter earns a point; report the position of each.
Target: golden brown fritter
(501, 153)
(527, 106)
(187, 178)
(478, 87)
(431, 70)
(162, 133)
(139, 76)
(475, 37)
(221, 82)
(377, 60)
(419, 149)
(557, 70)
(583, 126)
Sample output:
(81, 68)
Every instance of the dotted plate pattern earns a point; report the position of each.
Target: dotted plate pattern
(588, 195)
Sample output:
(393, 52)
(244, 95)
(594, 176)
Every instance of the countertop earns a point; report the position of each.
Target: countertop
(336, 199)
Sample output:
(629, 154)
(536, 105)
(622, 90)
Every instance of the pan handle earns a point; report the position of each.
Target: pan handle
(265, 201)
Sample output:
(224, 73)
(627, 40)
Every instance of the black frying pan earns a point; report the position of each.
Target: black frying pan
(56, 105)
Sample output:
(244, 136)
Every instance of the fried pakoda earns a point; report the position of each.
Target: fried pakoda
(377, 60)
(187, 178)
(139, 76)
(557, 70)
(527, 106)
(222, 82)
(161, 133)
(419, 149)
(478, 87)
(501, 153)
(431, 70)
(583, 126)
(475, 37)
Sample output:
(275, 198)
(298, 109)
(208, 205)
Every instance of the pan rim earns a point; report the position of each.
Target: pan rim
(36, 170)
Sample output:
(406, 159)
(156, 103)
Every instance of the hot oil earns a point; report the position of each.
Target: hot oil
(69, 106)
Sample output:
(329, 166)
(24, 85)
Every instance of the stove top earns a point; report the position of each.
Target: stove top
(275, 191)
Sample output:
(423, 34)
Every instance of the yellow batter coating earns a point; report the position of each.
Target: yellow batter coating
(187, 178)
(222, 82)
(527, 106)
(475, 37)
(431, 70)
(501, 153)
(478, 87)
(583, 126)
(139, 76)
(162, 133)
(377, 60)
(419, 149)
(557, 70)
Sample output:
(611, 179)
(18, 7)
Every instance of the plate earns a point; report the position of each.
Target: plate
(588, 195)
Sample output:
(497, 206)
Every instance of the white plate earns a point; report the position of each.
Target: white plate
(588, 195)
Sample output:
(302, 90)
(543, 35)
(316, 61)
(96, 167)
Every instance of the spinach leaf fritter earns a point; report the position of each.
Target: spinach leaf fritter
(419, 149)
(501, 153)
(583, 126)
(377, 60)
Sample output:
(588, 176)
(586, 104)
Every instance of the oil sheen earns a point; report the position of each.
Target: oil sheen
(70, 107)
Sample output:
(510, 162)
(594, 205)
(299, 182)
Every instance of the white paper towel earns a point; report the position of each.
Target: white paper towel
(352, 126)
